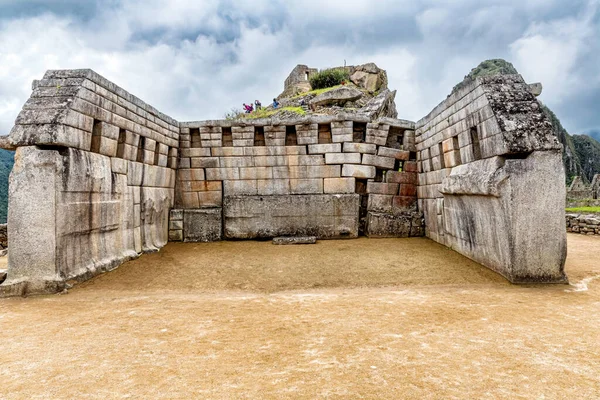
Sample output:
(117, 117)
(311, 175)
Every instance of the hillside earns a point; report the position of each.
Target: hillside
(6, 163)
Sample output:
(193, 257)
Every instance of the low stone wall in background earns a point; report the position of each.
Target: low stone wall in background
(585, 224)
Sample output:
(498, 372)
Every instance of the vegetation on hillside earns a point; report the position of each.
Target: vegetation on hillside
(588, 152)
(7, 159)
(328, 78)
(488, 68)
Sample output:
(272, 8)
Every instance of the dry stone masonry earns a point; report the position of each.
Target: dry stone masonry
(101, 177)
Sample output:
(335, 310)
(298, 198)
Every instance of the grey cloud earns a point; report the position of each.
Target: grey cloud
(196, 59)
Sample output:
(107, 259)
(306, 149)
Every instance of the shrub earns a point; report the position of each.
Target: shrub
(328, 78)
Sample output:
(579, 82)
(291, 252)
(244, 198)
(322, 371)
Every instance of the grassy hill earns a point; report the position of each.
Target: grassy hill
(6, 164)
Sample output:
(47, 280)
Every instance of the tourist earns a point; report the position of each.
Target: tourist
(247, 108)
(275, 103)
(257, 105)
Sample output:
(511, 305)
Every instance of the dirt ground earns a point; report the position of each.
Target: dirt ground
(388, 318)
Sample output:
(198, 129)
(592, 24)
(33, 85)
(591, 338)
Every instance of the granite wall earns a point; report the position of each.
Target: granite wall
(92, 184)
(329, 176)
(491, 181)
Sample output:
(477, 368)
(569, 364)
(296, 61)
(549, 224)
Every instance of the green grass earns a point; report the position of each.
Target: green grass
(584, 210)
(316, 92)
(264, 113)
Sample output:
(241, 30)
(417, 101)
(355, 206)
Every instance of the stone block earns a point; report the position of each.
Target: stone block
(411, 166)
(401, 177)
(323, 216)
(306, 186)
(202, 225)
(342, 158)
(325, 148)
(192, 175)
(235, 162)
(118, 165)
(227, 151)
(204, 162)
(452, 158)
(175, 235)
(210, 199)
(378, 161)
(380, 203)
(176, 215)
(383, 225)
(404, 203)
(339, 185)
(256, 173)
(382, 188)
(239, 188)
(402, 155)
(221, 174)
(197, 152)
(287, 240)
(408, 190)
(272, 187)
(363, 148)
(359, 171)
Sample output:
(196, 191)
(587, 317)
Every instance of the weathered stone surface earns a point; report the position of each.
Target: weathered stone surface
(338, 96)
(339, 185)
(286, 240)
(323, 216)
(359, 171)
(503, 223)
(202, 225)
(383, 225)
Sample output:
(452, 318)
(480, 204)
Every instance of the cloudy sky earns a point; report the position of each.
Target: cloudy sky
(197, 59)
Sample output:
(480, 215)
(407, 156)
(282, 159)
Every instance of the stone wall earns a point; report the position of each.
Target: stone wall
(281, 177)
(491, 182)
(92, 184)
(584, 224)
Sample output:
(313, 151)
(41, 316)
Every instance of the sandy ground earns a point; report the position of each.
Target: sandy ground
(390, 318)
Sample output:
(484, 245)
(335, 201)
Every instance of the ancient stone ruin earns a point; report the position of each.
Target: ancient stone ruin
(101, 177)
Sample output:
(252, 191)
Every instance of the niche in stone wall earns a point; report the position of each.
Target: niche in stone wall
(475, 144)
(441, 155)
(122, 143)
(359, 132)
(140, 152)
(259, 135)
(324, 133)
(395, 138)
(291, 139)
(456, 147)
(227, 137)
(96, 136)
(156, 154)
(195, 137)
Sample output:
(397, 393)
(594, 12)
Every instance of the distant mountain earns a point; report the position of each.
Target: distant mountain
(7, 159)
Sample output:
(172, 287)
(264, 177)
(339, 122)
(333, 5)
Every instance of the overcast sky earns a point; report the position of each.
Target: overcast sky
(197, 59)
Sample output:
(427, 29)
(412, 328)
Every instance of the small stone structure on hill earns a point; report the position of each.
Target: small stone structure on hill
(101, 177)
(580, 191)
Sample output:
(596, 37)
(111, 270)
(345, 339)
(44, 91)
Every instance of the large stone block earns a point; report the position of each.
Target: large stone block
(339, 185)
(202, 225)
(342, 158)
(359, 171)
(508, 214)
(324, 216)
